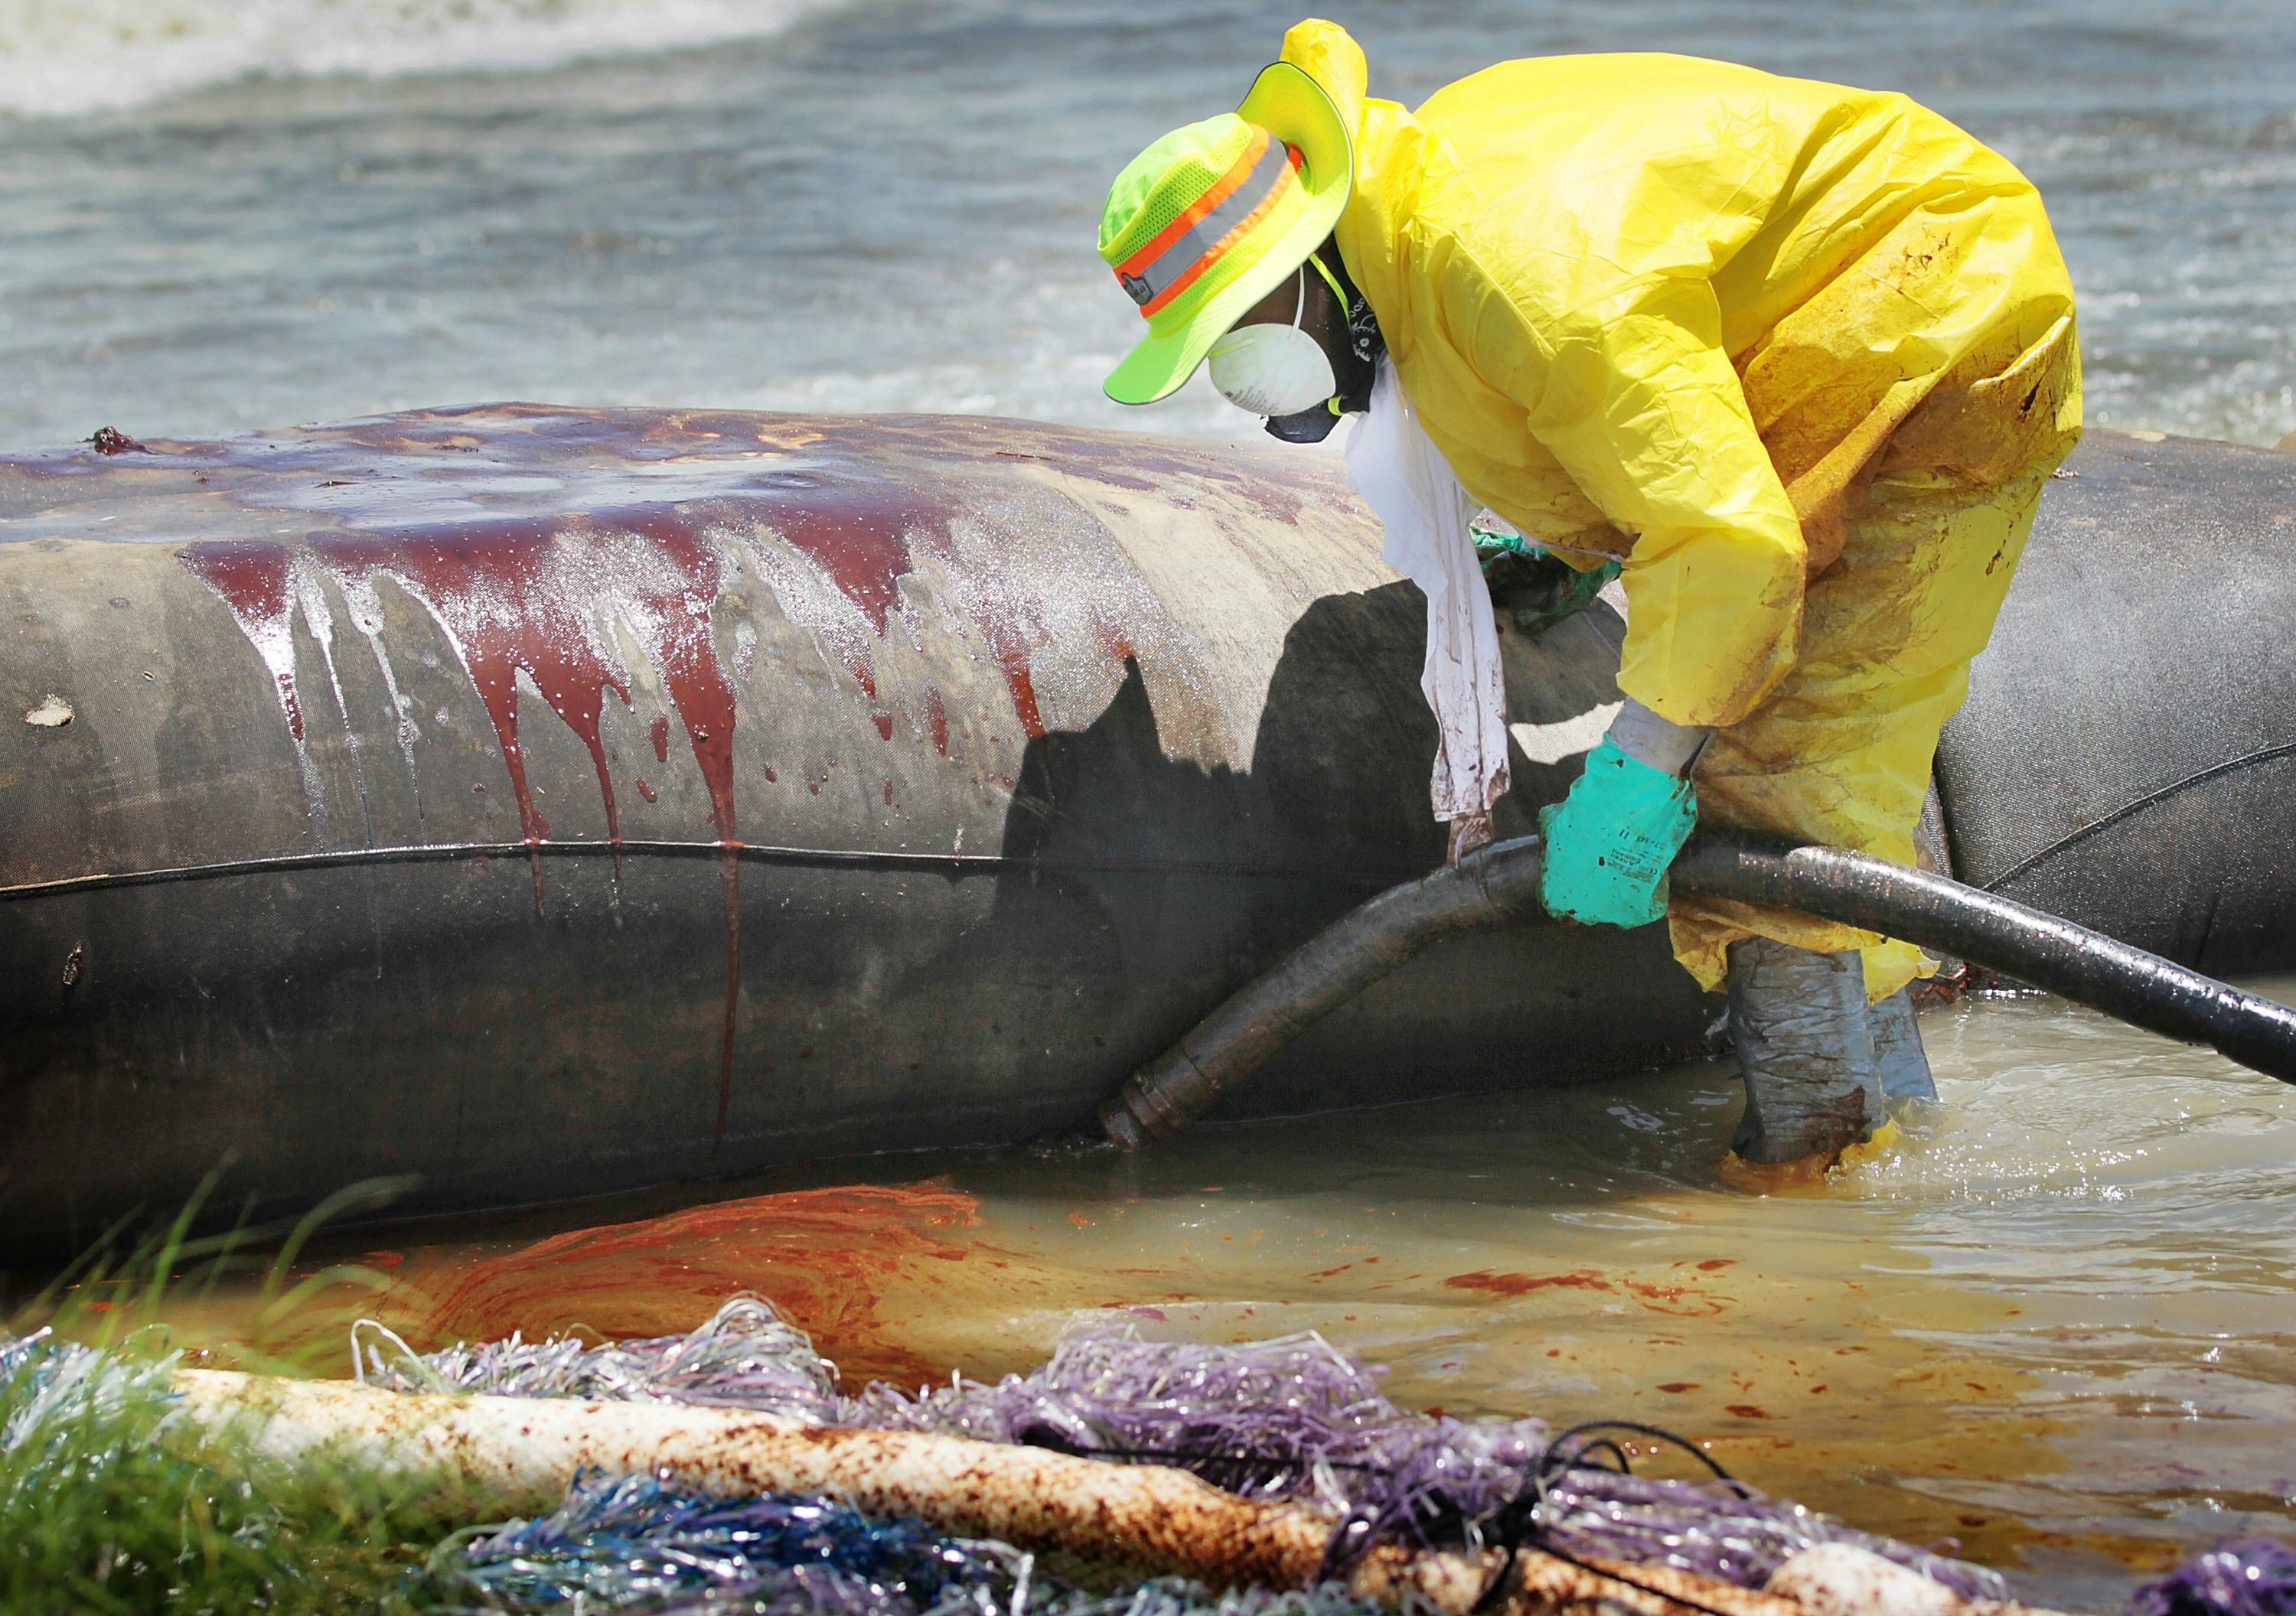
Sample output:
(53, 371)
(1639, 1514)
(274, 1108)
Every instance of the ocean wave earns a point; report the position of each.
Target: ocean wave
(59, 57)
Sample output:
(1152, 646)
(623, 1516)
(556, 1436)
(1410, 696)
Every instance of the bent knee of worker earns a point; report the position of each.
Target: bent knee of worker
(1826, 772)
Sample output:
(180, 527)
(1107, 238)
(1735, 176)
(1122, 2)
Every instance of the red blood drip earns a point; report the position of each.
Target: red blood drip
(858, 533)
(647, 791)
(491, 585)
(659, 730)
(862, 534)
(884, 726)
(686, 653)
(888, 794)
(251, 577)
(523, 594)
(729, 870)
(687, 656)
(1013, 657)
(582, 706)
(937, 720)
(1003, 622)
(770, 776)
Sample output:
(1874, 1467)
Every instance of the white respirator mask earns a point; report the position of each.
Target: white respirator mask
(1274, 369)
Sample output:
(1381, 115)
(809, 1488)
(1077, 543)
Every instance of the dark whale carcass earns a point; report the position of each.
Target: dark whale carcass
(548, 802)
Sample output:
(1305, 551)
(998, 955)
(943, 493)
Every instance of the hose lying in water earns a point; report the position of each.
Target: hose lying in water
(520, 1454)
(1500, 884)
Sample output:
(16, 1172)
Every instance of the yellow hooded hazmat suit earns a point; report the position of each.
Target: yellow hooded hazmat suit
(1800, 356)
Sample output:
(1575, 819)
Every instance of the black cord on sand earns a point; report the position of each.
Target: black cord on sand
(1525, 1521)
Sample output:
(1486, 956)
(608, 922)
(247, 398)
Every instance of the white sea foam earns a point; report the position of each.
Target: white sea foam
(59, 57)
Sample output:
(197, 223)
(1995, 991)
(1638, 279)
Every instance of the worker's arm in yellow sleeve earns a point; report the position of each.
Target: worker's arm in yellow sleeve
(1633, 394)
(1643, 408)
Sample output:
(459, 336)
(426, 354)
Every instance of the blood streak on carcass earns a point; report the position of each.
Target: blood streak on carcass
(864, 536)
(495, 587)
(526, 595)
(1013, 657)
(548, 595)
(937, 720)
(254, 578)
(685, 650)
(658, 733)
(679, 626)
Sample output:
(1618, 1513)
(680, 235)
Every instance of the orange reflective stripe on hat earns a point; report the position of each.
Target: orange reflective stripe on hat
(1205, 222)
(1169, 263)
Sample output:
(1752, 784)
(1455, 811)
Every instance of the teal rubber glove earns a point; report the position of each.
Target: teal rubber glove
(1609, 842)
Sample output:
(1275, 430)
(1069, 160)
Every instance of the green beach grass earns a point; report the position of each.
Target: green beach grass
(105, 1507)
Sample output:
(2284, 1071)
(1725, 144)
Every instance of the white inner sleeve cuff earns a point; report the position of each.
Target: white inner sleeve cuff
(1643, 735)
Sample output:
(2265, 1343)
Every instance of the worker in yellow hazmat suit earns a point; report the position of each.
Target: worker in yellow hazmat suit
(1798, 356)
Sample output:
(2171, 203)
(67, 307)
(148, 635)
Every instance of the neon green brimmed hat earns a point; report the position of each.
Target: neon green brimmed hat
(1210, 219)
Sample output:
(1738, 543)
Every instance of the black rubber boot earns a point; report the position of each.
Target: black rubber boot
(1904, 1070)
(1805, 1048)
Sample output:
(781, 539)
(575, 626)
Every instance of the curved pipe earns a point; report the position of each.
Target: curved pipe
(2007, 937)
(1500, 884)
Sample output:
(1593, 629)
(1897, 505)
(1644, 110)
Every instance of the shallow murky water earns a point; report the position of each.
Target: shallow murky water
(2061, 1329)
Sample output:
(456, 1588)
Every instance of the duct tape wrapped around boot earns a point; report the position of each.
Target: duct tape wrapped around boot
(1806, 1046)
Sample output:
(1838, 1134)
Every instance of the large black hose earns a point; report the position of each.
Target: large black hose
(1500, 884)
